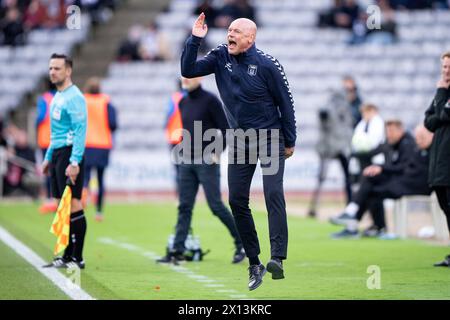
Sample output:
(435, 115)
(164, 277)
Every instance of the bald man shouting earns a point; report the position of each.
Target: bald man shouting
(258, 101)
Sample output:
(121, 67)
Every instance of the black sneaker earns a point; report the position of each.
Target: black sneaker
(275, 267)
(372, 232)
(58, 262)
(345, 234)
(341, 220)
(239, 255)
(172, 257)
(445, 263)
(256, 274)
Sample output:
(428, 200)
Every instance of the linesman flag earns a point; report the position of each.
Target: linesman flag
(61, 223)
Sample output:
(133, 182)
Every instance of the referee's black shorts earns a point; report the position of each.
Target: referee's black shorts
(60, 161)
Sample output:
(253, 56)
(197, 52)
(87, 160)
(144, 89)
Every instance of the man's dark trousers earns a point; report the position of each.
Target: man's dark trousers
(190, 177)
(239, 181)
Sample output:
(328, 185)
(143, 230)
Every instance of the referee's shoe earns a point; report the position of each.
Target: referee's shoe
(62, 263)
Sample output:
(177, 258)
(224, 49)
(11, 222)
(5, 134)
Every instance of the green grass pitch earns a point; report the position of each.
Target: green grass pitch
(119, 255)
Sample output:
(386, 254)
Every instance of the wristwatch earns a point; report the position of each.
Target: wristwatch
(74, 164)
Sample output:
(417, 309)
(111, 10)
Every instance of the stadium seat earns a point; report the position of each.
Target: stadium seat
(401, 216)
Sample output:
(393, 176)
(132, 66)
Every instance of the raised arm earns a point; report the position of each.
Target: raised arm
(190, 67)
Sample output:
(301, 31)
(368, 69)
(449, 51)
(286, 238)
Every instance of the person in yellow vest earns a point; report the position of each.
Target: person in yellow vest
(173, 124)
(43, 140)
(102, 122)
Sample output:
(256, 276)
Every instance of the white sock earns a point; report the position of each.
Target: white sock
(351, 209)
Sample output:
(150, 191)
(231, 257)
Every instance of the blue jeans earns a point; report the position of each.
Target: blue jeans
(190, 177)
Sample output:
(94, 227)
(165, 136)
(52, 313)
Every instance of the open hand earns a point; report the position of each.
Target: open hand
(372, 171)
(72, 172)
(45, 167)
(200, 29)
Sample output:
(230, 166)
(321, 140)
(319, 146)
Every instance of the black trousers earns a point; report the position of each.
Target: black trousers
(240, 174)
(190, 178)
(348, 184)
(370, 196)
(48, 190)
(443, 195)
(101, 186)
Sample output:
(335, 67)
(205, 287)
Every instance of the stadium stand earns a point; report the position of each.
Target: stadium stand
(399, 78)
(24, 66)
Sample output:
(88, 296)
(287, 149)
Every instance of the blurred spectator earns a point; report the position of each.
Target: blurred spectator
(173, 125)
(100, 11)
(45, 14)
(55, 14)
(43, 140)
(2, 137)
(342, 15)
(21, 172)
(367, 136)
(12, 28)
(209, 10)
(129, 48)
(154, 45)
(419, 4)
(385, 33)
(405, 172)
(232, 10)
(35, 15)
(102, 122)
(336, 128)
(352, 97)
(5, 5)
(145, 44)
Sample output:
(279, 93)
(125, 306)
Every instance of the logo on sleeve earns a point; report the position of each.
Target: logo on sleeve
(252, 69)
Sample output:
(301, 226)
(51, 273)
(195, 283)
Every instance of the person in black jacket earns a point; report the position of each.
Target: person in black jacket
(437, 120)
(260, 108)
(199, 164)
(405, 172)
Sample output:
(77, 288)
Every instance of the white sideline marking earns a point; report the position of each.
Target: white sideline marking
(197, 276)
(63, 283)
(238, 296)
(204, 280)
(214, 285)
(151, 255)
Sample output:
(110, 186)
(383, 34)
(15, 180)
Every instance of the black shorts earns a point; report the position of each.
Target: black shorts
(60, 161)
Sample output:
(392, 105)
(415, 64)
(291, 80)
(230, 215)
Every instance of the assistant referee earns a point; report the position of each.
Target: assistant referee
(64, 156)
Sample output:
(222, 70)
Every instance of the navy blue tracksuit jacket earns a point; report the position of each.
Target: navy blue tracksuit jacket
(252, 85)
(256, 94)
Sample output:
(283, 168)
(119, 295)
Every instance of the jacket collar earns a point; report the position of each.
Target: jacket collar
(250, 52)
(246, 54)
